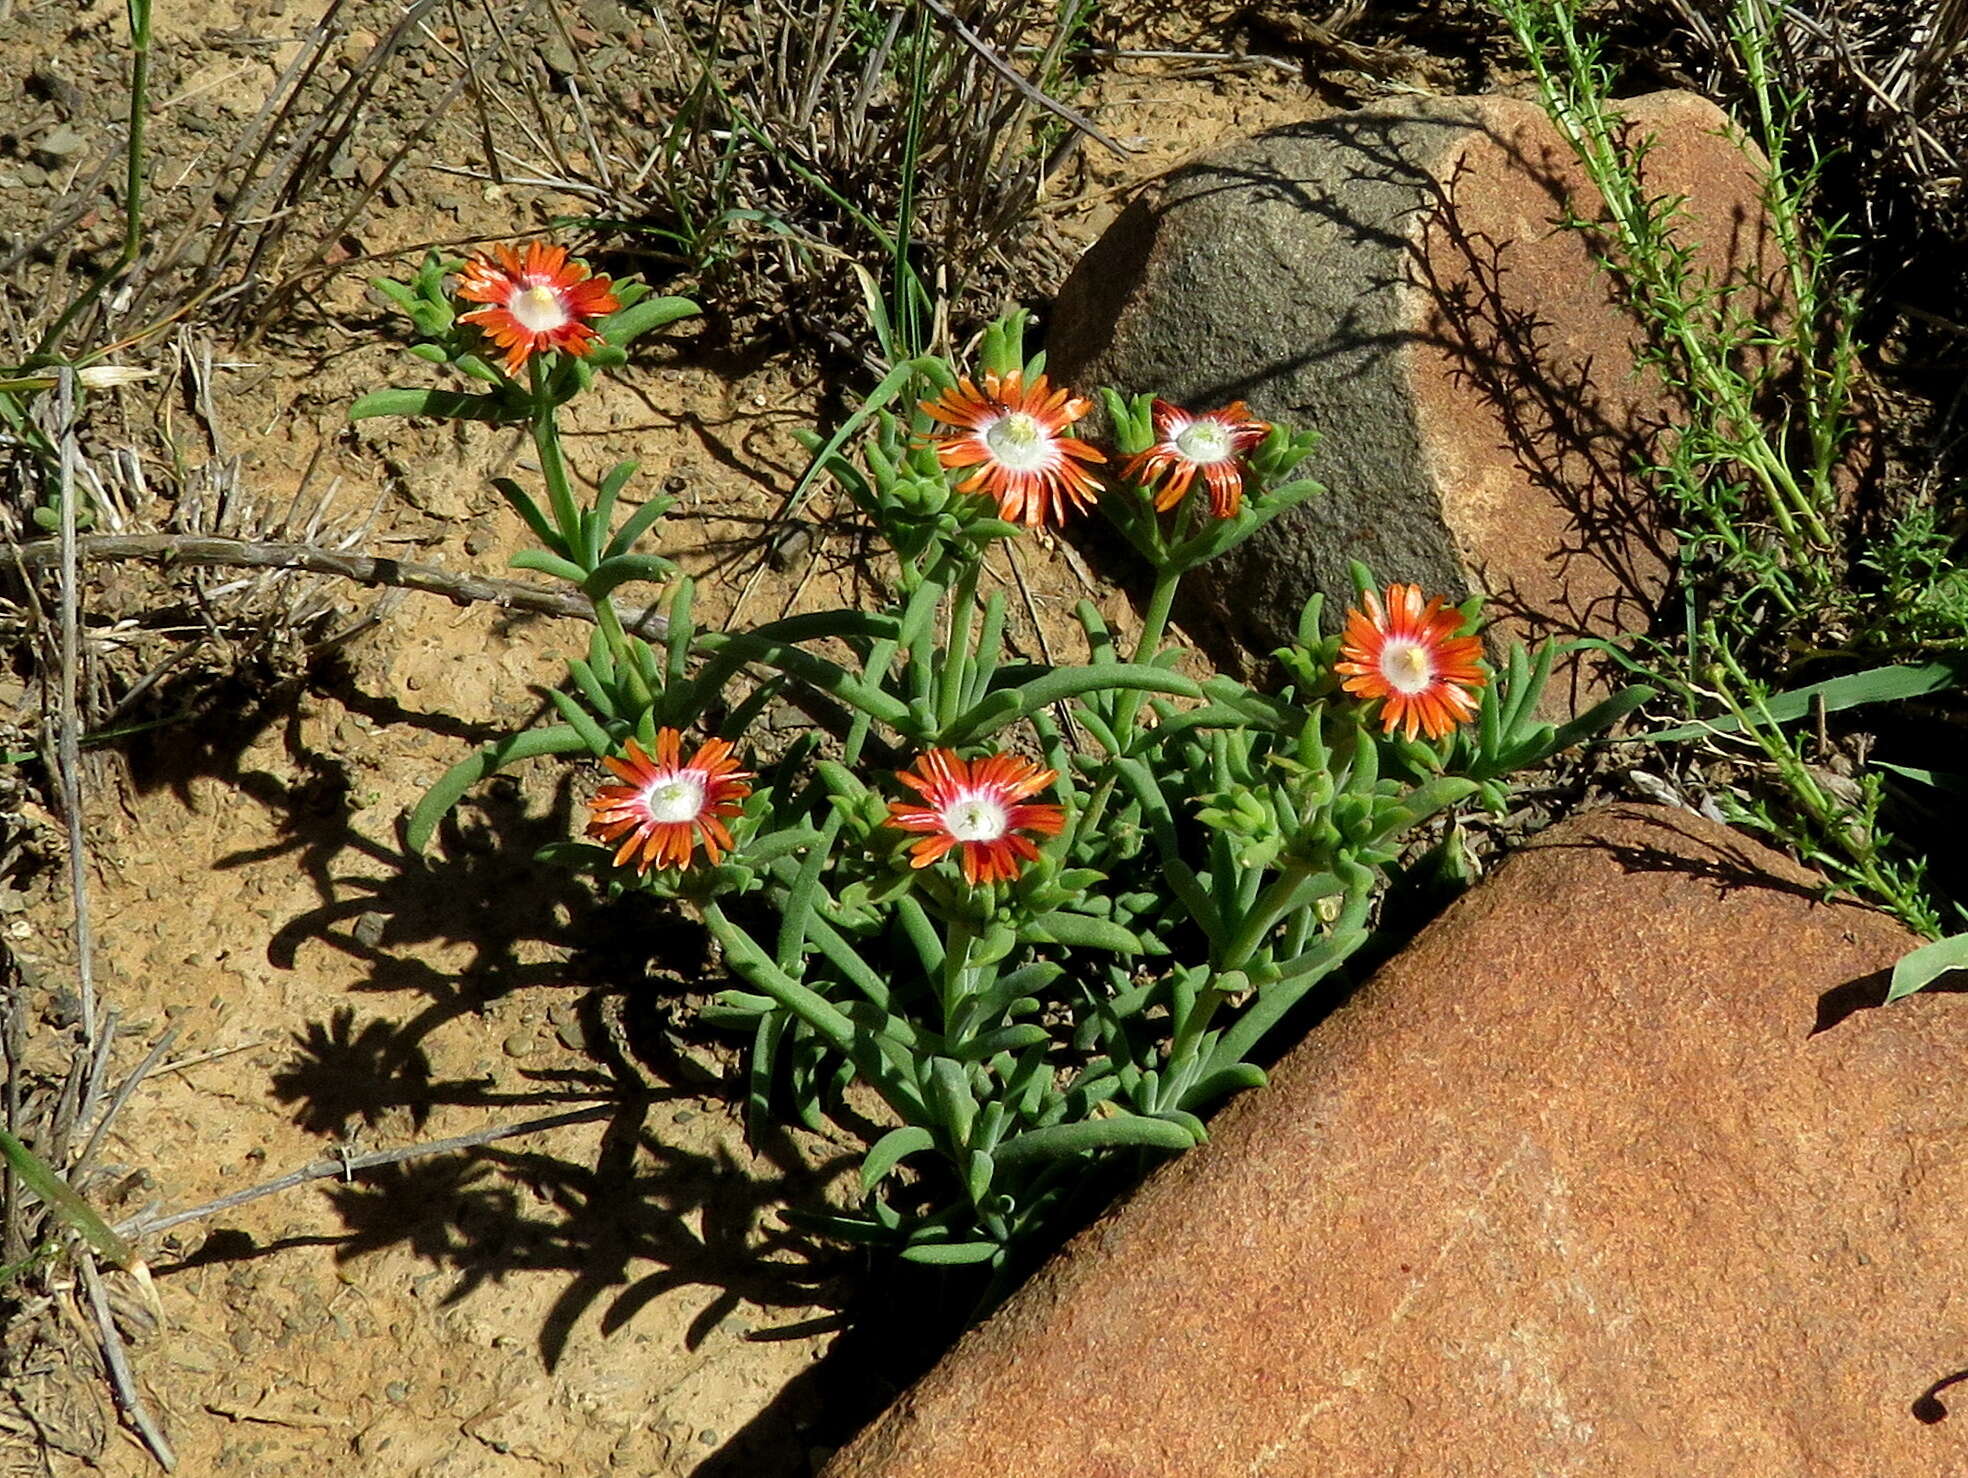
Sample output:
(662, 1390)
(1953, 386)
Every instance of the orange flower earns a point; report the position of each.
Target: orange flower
(1012, 437)
(1213, 443)
(667, 806)
(976, 805)
(1409, 655)
(539, 302)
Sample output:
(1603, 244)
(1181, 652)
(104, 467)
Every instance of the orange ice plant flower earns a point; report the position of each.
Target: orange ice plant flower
(537, 301)
(1408, 655)
(665, 807)
(1212, 445)
(1014, 435)
(978, 805)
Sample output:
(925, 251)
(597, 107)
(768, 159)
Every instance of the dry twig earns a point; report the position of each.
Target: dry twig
(117, 1361)
(140, 1226)
(364, 569)
(69, 734)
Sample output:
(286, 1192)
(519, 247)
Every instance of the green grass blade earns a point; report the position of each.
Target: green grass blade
(41, 1178)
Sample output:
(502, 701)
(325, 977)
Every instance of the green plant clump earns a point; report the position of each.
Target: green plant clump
(1794, 601)
(1028, 919)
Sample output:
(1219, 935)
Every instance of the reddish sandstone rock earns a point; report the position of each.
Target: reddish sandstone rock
(1615, 1171)
(1397, 278)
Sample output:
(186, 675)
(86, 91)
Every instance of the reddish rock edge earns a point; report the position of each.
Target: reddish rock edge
(1610, 1172)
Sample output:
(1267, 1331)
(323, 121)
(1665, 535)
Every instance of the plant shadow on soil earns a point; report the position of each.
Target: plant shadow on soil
(643, 1218)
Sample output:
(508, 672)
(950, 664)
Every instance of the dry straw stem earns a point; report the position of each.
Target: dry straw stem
(117, 1360)
(68, 747)
(348, 1165)
(1883, 88)
(363, 569)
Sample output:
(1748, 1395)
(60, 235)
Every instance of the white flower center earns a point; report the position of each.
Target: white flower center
(677, 796)
(539, 309)
(1408, 666)
(1204, 441)
(1019, 441)
(976, 818)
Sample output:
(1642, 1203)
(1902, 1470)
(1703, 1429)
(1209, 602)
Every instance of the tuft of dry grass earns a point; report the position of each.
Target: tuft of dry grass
(1881, 88)
(825, 162)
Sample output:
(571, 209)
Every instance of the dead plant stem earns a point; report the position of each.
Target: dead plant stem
(117, 1361)
(364, 569)
(140, 1226)
(68, 745)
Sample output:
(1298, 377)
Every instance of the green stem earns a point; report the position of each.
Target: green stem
(553, 470)
(1154, 622)
(1282, 895)
(955, 676)
(959, 936)
(1579, 112)
(133, 180)
(1833, 821)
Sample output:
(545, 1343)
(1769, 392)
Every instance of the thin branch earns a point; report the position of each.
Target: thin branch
(122, 1097)
(143, 1226)
(989, 56)
(118, 1364)
(364, 569)
(68, 743)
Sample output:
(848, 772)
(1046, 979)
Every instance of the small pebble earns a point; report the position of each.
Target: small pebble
(58, 147)
(708, 1437)
(397, 1392)
(48, 83)
(572, 1037)
(789, 544)
(369, 928)
(520, 1044)
(356, 48)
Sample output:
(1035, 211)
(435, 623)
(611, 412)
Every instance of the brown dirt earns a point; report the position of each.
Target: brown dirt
(617, 1295)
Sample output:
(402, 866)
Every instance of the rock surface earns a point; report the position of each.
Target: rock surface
(1398, 279)
(1613, 1171)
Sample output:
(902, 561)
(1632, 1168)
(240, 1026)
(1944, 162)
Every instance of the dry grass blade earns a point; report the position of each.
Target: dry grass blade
(1004, 69)
(130, 1084)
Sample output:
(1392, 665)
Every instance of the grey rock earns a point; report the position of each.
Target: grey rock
(609, 17)
(1396, 279)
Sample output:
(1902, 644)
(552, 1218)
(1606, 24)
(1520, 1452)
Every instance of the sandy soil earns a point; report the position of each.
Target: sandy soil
(617, 1294)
